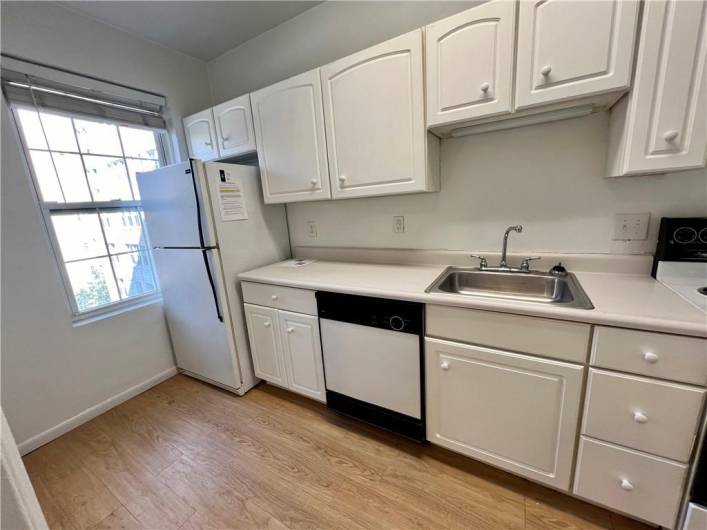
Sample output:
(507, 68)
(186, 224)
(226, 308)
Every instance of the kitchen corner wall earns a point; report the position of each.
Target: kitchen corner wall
(548, 177)
(55, 374)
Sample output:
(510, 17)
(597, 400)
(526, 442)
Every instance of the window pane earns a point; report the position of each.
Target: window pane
(59, 131)
(98, 138)
(31, 129)
(46, 176)
(134, 273)
(123, 230)
(72, 177)
(79, 235)
(108, 178)
(92, 283)
(139, 143)
(138, 166)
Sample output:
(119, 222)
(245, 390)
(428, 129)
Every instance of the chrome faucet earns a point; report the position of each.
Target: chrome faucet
(503, 266)
(514, 228)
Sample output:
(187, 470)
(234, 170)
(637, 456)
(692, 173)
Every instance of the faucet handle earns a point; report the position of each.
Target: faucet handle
(525, 264)
(482, 261)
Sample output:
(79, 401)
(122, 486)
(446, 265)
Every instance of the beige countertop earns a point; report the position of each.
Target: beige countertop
(625, 300)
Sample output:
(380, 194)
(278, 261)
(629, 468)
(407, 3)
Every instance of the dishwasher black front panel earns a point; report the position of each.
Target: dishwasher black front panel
(405, 317)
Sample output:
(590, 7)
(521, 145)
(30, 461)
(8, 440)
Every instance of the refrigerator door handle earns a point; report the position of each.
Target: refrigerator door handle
(192, 171)
(211, 282)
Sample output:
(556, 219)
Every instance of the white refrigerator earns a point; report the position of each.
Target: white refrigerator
(207, 222)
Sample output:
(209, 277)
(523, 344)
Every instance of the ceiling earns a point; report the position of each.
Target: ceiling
(203, 30)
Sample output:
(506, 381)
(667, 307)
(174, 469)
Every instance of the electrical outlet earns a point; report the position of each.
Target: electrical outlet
(630, 226)
(312, 229)
(398, 224)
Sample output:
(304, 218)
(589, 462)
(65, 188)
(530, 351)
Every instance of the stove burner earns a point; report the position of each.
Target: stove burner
(702, 291)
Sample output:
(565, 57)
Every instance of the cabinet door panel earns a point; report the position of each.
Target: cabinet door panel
(667, 106)
(265, 346)
(374, 115)
(513, 411)
(302, 351)
(234, 127)
(569, 49)
(201, 136)
(289, 131)
(469, 58)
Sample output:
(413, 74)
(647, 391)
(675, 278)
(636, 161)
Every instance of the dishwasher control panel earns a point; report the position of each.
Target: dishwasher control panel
(395, 315)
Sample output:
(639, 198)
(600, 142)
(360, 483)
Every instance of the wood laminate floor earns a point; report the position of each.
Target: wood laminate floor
(187, 455)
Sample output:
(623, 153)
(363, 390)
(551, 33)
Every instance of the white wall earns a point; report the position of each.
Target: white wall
(318, 36)
(51, 370)
(548, 177)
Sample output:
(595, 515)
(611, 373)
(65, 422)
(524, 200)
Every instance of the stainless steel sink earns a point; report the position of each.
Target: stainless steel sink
(522, 286)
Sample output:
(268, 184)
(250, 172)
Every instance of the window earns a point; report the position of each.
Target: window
(84, 170)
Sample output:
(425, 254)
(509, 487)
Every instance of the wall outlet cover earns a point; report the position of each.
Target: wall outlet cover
(631, 226)
(312, 229)
(398, 224)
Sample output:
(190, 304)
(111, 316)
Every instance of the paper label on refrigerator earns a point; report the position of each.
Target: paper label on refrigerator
(231, 198)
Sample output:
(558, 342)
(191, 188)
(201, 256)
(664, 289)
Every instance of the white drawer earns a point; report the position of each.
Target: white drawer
(655, 354)
(653, 416)
(287, 298)
(568, 341)
(637, 484)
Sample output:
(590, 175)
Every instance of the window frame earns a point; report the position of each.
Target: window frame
(46, 209)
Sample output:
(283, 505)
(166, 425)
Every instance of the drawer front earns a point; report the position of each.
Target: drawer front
(637, 484)
(653, 416)
(655, 354)
(567, 341)
(287, 298)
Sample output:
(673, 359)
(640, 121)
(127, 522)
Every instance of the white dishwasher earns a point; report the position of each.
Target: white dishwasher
(373, 364)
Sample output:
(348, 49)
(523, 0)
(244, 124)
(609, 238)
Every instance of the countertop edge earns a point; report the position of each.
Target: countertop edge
(593, 316)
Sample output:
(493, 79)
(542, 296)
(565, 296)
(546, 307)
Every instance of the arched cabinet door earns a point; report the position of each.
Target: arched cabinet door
(201, 135)
(234, 127)
(375, 121)
(568, 49)
(469, 60)
(289, 132)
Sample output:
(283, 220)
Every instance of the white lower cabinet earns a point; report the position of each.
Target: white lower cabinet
(641, 485)
(286, 349)
(514, 411)
(302, 351)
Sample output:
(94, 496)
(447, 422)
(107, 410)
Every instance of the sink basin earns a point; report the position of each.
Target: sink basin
(521, 286)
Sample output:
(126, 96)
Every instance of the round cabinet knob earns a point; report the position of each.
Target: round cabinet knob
(650, 357)
(266, 324)
(313, 182)
(485, 87)
(444, 366)
(639, 417)
(626, 485)
(670, 136)
(290, 330)
(273, 297)
(342, 178)
(545, 70)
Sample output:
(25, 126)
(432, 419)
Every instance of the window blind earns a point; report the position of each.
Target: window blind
(55, 90)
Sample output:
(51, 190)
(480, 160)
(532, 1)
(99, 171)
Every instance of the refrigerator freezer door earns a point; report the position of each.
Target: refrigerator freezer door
(202, 343)
(176, 212)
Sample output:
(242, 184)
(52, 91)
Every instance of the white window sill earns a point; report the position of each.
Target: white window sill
(115, 309)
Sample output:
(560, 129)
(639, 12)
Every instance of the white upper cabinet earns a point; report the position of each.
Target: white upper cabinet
(375, 123)
(568, 49)
(289, 132)
(469, 59)
(201, 135)
(234, 127)
(660, 126)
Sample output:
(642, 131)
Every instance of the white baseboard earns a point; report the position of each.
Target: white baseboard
(82, 417)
